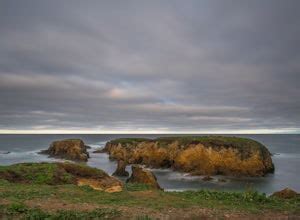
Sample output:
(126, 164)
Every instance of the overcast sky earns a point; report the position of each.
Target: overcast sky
(150, 66)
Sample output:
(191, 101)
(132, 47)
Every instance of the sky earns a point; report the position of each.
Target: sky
(137, 66)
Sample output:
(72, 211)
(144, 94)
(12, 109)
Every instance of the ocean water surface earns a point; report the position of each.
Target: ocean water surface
(285, 150)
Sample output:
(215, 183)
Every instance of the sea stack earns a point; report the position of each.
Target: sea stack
(200, 155)
(143, 176)
(121, 169)
(70, 149)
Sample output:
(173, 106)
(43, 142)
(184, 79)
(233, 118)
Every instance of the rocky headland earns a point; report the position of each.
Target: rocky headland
(202, 155)
(70, 149)
(60, 174)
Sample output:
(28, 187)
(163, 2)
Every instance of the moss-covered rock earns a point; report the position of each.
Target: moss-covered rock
(198, 155)
(286, 194)
(60, 174)
(71, 149)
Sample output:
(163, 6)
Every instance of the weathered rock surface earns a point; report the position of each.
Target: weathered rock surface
(71, 149)
(121, 169)
(142, 176)
(286, 194)
(59, 174)
(208, 155)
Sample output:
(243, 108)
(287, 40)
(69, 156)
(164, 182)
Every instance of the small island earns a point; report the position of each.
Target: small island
(197, 155)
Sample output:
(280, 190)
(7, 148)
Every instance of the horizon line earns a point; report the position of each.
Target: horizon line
(241, 131)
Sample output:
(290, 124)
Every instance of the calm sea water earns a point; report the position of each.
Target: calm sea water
(286, 150)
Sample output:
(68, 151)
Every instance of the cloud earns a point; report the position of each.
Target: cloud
(142, 66)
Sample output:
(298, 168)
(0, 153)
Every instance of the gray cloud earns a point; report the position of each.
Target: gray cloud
(162, 66)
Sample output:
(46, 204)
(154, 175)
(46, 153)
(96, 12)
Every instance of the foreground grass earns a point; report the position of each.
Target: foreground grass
(15, 196)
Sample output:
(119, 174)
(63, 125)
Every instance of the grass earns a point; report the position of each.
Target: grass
(48, 173)
(19, 210)
(140, 196)
(36, 185)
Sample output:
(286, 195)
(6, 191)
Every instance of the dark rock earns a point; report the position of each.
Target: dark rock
(71, 149)
(121, 169)
(222, 180)
(142, 176)
(99, 151)
(207, 178)
(4, 152)
(286, 194)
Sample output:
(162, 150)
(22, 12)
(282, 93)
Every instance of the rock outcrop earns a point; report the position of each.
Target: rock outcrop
(121, 169)
(286, 194)
(4, 152)
(59, 174)
(70, 149)
(208, 155)
(142, 176)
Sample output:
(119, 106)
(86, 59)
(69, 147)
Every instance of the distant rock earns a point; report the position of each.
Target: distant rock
(4, 152)
(286, 194)
(222, 180)
(98, 151)
(207, 178)
(142, 176)
(197, 155)
(71, 149)
(121, 169)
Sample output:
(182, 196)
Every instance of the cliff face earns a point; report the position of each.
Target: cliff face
(197, 155)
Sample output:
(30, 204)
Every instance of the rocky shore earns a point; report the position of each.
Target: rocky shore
(209, 155)
(73, 191)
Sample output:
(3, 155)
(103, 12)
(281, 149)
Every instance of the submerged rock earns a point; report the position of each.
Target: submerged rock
(222, 180)
(98, 151)
(207, 178)
(59, 174)
(121, 169)
(286, 194)
(4, 152)
(204, 155)
(71, 149)
(142, 176)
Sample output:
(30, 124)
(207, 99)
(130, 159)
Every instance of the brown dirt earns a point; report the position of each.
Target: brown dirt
(52, 205)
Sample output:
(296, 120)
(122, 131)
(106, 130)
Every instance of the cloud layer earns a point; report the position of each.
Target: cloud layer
(140, 66)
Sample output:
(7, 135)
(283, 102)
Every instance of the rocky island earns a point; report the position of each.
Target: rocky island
(197, 155)
(70, 149)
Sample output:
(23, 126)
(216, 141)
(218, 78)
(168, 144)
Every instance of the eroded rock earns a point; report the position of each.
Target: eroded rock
(286, 194)
(121, 169)
(71, 149)
(210, 155)
(143, 176)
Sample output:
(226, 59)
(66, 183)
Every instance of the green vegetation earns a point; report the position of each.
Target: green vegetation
(48, 173)
(21, 211)
(129, 140)
(225, 141)
(35, 196)
(134, 196)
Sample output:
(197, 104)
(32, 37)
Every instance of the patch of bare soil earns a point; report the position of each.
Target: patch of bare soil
(52, 205)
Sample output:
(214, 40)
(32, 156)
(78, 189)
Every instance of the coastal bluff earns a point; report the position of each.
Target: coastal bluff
(197, 155)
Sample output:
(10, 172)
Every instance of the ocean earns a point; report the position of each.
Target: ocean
(285, 149)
